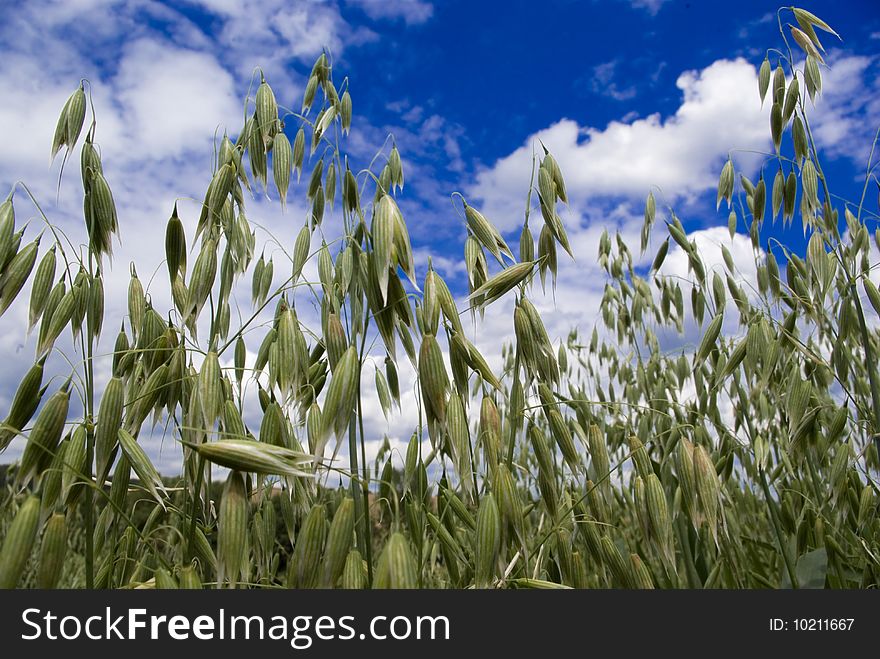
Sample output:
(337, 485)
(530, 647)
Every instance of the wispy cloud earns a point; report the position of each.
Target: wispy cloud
(604, 81)
(653, 7)
(412, 12)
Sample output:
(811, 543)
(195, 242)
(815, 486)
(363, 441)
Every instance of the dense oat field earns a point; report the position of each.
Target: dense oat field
(601, 460)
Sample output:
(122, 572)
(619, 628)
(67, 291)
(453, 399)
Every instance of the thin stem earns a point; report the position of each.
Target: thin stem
(365, 480)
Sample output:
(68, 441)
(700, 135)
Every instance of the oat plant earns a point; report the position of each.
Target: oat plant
(605, 459)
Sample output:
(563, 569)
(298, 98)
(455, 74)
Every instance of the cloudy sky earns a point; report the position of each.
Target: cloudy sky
(629, 96)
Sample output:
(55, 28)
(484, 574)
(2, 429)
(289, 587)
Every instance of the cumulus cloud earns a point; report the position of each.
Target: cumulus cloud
(719, 115)
(680, 154)
(170, 97)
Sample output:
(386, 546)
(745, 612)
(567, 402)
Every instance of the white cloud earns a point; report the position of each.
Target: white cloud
(603, 82)
(681, 154)
(709, 243)
(847, 113)
(411, 11)
(172, 98)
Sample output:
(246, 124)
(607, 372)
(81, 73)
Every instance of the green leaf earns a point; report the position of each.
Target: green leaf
(811, 569)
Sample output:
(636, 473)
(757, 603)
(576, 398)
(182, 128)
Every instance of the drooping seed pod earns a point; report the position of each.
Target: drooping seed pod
(53, 550)
(481, 229)
(458, 508)
(210, 392)
(383, 393)
(315, 180)
(499, 284)
(487, 542)
(43, 278)
(76, 112)
(686, 475)
(233, 424)
(599, 454)
(658, 514)
(273, 427)
(103, 214)
(345, 112)
(12, 250)
(75, 465)
(305, 563)
(396, 568)
(50, 483)
(509, 502)
(118, 487)
(16, 274)
(763, 79)
(46, 434)
(148, 395)
(338, 543)
(24, 404)
(19, 541)
(309, 94)
(526, 244)
(641, 575)
(564, 440)
(301, 252)
(335, 340)
(136, 302)
(350, 195)
(257, 278)
(282, 160)
(7, 232)
(612, 557)
(708, 488)
(460, 441)
(204, 552)
(59, 138)
(382, 231)
(95, 306)
(354, 575)
(143, 467)
(202, 281)
(53, 324)
(249, 456)
(109, 421)
(263, 352)
(164, 581)
(240, 357)
(266, 279)
(640, 458)
(267, 111)
(299, 148)
(433, 377)
(341, 395)
(546, 470)
(188, 578)
(232, 528)
(256, 147)
(175, 246)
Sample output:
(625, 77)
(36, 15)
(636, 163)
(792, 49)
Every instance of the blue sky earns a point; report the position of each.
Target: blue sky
(627, 95)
